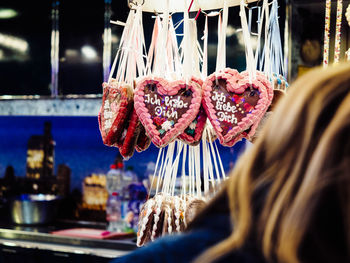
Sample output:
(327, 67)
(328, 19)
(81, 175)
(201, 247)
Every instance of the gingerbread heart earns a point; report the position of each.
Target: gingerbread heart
(143, 141)
(165, 108)
(249, 134)
(233, 104)
(132, 133)
(193, 133)
(277, 96)
(116, 106)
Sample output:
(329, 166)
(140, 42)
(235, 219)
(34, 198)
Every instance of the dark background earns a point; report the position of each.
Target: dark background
(82, 23)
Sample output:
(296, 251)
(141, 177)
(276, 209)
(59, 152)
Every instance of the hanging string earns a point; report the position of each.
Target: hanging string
(205, 49)
(222, 26)
(198, 169)
(151, 52)
(326, 33)
(260, 24)
(122, 39)
(183, 171)
(210, 160)
(187, 67)
(122, 67)
(338, 31)
(174, 168)
(205, 162)
(275, 64)
(267, 46)
(196, 53)
(277, 59)
(131, 53)
(160, 67)
(156, 171)
(220, 162)
(175, 51)
(251, 68)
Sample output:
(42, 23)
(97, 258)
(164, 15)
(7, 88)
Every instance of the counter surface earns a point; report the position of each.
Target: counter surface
(40, 238)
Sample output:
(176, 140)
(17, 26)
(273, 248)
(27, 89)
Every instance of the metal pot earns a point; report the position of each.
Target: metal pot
(33, 209)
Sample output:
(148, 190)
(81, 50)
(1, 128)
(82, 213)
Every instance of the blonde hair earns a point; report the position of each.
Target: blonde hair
(304, 150)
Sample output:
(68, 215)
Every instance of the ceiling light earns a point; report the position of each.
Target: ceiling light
(88, 52)
(7, 13)
(14, 43)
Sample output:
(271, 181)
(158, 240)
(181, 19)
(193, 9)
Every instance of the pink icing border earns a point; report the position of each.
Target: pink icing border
(235, 83)
(165, 88)
(234, 140)
(263, 79)
(202, 120)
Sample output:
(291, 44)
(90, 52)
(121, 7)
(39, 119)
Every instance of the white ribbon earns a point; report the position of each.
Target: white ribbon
(274, 62)
(250, 60)
(131, 53)
(160, 68)
(205, 50)
(187, 65)
(222, 28)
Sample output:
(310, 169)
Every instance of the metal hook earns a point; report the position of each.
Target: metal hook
(132, 3)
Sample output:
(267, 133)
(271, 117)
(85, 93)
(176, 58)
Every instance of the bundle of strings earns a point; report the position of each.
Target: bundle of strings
(176, 199)
(118, 121)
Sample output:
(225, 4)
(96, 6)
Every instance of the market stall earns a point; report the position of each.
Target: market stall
(187, 86)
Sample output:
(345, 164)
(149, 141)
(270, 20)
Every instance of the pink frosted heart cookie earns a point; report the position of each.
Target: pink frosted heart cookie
(193, 133)
(143, 141)
(249, 134)
(165, 108)
(233, 104)
(116, 106)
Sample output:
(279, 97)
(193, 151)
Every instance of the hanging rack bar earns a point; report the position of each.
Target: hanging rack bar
(156, 6)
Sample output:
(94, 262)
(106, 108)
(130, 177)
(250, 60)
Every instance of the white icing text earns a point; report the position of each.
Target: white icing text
(225, 111)
(167, 107)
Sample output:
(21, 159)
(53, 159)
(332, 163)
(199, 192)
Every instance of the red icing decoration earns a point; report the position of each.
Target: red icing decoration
(159, 121)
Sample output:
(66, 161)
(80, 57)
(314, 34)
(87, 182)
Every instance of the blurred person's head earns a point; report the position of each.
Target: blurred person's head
(301, 164)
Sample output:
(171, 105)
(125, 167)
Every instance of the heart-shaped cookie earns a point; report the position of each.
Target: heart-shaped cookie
(116, 106)
(165, 108)
(193, 133)
(277, 96)
(233, 104)
(131, 137)
(249, 134)
(143, 141)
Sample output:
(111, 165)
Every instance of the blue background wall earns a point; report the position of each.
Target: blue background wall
(78, 145)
